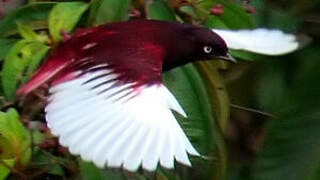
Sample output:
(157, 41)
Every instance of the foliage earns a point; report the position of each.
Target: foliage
(15, 142)
(22, 59)
(103, 11)
(281, 145)
(63, 17)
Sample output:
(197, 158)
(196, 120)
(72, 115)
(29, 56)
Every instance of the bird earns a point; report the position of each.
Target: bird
(107, 102)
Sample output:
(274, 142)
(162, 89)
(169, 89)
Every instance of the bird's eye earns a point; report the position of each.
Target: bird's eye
(207, 49)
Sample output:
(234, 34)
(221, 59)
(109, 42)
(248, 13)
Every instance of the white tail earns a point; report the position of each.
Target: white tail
(262, 41)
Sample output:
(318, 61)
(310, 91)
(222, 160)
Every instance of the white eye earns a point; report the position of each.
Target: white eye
(207, 49)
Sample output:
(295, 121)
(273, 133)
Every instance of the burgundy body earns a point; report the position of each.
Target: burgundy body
(136, 50)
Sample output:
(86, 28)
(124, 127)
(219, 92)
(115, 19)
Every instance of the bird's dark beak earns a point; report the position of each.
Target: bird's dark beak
(228, 57)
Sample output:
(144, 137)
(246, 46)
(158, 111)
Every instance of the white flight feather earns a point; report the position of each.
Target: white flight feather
(118, 126)
(261, 41)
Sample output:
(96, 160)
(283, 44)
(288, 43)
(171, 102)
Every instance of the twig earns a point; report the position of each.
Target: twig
(252, 110)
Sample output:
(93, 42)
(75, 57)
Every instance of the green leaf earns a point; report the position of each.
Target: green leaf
(215, 22)
(55, 169)
(89, 171)
(26, 32)
(217, 91)
(234, 16)
(292, 147)
(244, 55)
(38, 137)
(48, 162)
(34, 15)
(15, 136)
(22, 60)
(274, 85)
(201, 128)
(105, 11)
(6, 45)
(290, 89)
(64, 16)
(29, 34)
(4, 171)
(160, 10)
(189, 10)
(187, 86)
(315, 174)
(6, 151)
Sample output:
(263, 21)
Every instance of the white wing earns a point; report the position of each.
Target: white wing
(262, 41)
(115, 125)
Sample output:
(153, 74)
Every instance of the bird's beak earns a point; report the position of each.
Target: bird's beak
(228, 57)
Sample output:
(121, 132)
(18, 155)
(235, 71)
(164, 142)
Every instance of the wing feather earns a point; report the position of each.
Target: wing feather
(94, 118)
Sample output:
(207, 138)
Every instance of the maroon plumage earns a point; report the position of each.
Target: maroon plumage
(107, 101)
(138, 50)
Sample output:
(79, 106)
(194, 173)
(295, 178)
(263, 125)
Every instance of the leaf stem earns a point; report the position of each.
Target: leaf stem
(252, 110)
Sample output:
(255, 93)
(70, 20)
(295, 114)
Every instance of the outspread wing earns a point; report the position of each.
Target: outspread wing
(262, 41)
(116, 124)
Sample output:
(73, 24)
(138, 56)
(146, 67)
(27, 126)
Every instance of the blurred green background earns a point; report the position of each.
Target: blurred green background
(258, 119)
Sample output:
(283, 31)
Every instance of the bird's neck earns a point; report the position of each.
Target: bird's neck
(178, 56)
(174, 62)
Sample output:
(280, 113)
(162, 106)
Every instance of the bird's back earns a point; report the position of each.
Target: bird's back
(130, 47)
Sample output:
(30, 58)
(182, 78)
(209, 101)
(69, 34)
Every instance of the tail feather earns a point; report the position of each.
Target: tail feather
(261, 41)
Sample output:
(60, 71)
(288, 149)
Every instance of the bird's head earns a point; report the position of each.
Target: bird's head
(208, 45)
(195, 43)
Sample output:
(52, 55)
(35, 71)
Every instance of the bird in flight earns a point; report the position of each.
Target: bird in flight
(107, 101)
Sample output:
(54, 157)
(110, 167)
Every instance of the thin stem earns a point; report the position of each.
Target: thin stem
(252, 110)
